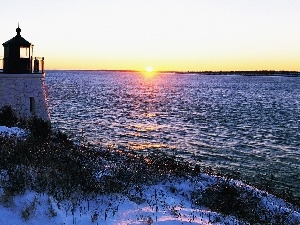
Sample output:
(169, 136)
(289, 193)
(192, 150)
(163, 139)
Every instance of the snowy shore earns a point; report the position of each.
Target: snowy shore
(164, 203)
(198, 199)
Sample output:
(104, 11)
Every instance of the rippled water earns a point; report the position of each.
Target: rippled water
(237, 123)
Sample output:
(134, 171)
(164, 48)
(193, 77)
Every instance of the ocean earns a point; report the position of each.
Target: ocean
(247, 125)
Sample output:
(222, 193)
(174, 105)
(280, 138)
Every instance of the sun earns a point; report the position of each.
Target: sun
(148, 72)
(149, 69)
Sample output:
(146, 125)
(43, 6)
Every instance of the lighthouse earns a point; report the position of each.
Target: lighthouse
(22, 79)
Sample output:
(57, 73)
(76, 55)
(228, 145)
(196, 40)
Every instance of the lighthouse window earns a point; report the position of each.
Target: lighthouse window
(24, 52)
(32, 105)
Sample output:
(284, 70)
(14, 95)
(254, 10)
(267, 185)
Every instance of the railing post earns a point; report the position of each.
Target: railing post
(42, 64)
(30, 64)
(36, 65)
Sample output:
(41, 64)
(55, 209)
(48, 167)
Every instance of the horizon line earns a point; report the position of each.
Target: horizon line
(185, 71)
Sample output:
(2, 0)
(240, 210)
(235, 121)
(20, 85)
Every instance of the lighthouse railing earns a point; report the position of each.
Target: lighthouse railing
(1, 64)
(38, 65)
(33, 65)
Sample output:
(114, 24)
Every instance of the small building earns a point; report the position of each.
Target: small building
(22, 79)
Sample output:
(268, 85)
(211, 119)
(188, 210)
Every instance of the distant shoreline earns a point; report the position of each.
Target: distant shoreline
(239, 72)
(247, 73)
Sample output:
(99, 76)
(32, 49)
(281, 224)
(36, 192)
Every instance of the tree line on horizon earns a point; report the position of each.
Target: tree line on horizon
(248, 72)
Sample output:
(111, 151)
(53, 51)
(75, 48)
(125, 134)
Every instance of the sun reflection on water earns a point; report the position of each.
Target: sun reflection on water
(149, 73)
(137, 146)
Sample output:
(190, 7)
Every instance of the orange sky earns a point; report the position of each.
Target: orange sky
(167, 35)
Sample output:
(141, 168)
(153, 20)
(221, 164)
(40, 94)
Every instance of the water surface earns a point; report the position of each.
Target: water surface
(248, 124)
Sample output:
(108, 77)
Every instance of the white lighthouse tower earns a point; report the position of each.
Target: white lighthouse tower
(22, 79)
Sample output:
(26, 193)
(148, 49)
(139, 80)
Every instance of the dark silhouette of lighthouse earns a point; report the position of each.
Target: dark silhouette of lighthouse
(22, 81)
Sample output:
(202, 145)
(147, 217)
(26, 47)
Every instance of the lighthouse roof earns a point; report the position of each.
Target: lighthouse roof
(18, 40)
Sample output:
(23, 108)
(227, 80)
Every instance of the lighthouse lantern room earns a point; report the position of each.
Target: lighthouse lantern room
(22, 79)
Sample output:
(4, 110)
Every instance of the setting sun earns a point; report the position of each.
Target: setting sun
(149, 72)
(149, 69)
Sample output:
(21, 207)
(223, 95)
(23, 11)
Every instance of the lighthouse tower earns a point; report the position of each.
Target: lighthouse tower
(22, 79)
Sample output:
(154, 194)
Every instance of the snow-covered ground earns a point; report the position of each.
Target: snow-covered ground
(12, 131)
(111, 209)
(165, 203)
(170, 202)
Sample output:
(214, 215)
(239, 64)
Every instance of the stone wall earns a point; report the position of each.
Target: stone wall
(25, 93)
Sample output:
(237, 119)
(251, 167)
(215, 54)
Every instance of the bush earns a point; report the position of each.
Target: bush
(39, 128)
(8, 117)
(55, 166)
(230, 199)
(29, 210)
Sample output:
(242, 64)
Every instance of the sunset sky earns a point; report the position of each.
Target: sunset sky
(165, 34)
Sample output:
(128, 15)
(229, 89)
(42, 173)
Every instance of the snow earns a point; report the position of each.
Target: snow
(12, 131)
(165, 208)
(167, 203)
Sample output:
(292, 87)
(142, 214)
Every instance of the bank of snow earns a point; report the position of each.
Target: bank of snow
(12, 131)
(167, 203)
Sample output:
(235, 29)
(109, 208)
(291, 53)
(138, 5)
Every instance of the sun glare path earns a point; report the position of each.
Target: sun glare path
(149, 72)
